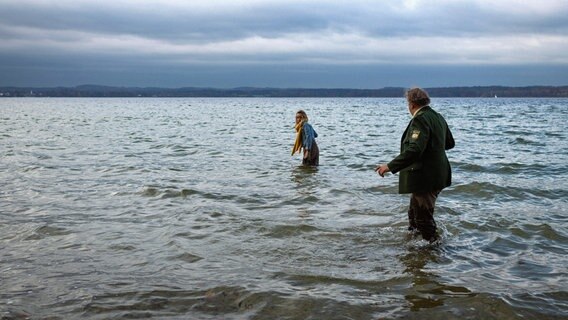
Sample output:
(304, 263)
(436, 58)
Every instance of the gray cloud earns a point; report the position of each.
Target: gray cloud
(232, 20)
(277, 35)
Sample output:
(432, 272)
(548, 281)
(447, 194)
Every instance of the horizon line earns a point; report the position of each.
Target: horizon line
(282, 88)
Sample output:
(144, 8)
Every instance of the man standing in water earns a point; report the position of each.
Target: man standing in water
(423, 165)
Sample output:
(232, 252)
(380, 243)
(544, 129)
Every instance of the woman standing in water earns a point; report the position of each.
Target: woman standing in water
(306, 139)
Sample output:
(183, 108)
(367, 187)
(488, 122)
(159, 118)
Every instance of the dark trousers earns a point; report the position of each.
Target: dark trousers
(421, 214)
(313, 156)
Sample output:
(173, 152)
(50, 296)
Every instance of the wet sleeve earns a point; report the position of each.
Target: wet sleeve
(307, 136)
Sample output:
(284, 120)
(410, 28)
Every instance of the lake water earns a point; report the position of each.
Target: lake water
(194, 209)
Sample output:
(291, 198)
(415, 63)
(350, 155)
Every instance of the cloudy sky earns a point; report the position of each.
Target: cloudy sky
(283, 43)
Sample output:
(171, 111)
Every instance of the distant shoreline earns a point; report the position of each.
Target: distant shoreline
(95, 91)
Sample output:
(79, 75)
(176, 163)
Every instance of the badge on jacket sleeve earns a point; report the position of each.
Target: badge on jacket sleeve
(415, 134)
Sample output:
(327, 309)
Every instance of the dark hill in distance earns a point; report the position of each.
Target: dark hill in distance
(108, 91)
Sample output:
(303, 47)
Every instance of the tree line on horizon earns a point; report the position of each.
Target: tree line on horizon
(388, 92)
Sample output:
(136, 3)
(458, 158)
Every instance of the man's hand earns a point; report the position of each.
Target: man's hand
(382, 169)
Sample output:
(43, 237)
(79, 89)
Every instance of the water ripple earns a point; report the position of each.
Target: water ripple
(177, 208)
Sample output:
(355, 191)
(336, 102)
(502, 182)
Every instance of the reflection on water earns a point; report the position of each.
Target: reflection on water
(188, 208)
(427, 291)
(302, 174)
(306, 180)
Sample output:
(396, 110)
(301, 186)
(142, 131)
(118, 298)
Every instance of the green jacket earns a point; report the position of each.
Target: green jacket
(422, 162)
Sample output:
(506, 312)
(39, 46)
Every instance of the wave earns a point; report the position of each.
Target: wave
(510, 168)
(283, 231)
(47, 231)
(487, 190)
(525, 141)
(168, 193)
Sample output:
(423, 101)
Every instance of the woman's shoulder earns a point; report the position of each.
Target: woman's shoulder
(310, 130)
(307, 125)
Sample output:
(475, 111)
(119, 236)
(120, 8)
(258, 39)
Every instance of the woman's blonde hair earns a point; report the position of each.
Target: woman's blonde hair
(303, 114)
(418, 96)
